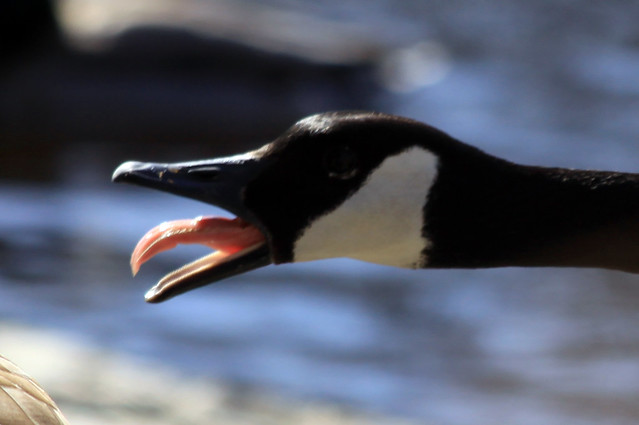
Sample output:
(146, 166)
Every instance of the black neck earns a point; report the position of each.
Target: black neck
(492, 213)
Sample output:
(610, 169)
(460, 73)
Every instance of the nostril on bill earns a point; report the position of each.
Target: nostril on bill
(209, 173)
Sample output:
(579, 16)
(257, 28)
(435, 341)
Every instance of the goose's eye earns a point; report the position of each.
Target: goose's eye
(341, 162)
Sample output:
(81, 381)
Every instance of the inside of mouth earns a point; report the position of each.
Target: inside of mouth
(228, 237)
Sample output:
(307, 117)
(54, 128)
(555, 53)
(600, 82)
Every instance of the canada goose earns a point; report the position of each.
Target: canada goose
(23, 401)
(388, 190)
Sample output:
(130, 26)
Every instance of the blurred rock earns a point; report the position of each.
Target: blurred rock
(95, 387)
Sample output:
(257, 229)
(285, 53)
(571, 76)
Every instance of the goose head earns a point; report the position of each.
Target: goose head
(387, 190)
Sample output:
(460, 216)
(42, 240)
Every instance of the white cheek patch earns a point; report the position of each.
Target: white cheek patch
(380, 223)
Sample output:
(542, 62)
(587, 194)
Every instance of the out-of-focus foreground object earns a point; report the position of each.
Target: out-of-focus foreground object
(23, 401)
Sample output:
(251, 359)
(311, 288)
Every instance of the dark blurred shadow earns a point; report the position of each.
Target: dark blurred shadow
(154, 86)
(25, 26)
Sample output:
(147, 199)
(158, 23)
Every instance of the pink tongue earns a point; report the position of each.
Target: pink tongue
(222, 234)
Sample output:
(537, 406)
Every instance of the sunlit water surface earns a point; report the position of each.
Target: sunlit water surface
(516, 346)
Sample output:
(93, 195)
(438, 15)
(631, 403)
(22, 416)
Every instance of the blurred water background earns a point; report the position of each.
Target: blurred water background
(540, 82)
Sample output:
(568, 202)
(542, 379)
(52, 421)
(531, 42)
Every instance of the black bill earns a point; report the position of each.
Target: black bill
(219, 182)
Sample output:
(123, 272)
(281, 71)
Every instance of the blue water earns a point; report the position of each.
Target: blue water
(450, 347)
(544, 83)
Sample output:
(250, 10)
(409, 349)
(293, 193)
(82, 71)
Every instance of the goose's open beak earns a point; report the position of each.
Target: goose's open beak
(241, 244)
